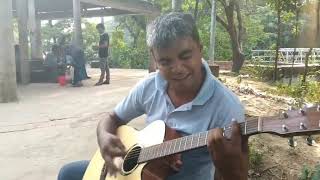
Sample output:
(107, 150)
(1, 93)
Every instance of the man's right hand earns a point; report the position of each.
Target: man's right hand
(110, 145)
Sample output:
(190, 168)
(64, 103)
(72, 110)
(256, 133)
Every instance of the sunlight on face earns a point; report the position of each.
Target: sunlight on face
(180, 64)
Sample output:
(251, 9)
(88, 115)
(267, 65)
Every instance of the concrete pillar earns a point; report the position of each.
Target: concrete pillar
(8, 86)
(102, 20)
(22, 14)
(212, 31)
(35, 35)
(77, 32)
(177, 5)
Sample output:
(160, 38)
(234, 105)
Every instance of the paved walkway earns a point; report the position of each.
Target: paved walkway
(53, 125)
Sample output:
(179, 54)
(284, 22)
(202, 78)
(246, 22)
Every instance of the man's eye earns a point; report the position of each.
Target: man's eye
(186, 57)
(164, 63)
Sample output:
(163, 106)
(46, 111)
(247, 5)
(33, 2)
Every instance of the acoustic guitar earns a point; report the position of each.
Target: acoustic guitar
(152, 153)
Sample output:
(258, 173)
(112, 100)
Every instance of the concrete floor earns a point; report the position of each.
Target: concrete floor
(53, 125)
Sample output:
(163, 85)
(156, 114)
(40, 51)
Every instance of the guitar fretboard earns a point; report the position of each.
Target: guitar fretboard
(191, 142)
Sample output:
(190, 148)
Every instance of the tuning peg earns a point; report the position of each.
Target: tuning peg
(285, 115)
(292, 142)
(310, 140)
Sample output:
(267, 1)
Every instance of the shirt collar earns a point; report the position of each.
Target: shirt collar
(206, 90)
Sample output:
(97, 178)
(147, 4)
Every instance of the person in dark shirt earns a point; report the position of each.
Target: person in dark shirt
(103, 55)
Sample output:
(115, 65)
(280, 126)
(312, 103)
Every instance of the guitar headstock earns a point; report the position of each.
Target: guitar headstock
(305, 121)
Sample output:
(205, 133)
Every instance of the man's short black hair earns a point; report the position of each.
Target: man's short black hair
(100, 25)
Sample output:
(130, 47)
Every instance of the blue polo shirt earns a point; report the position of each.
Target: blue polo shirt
(213, 107)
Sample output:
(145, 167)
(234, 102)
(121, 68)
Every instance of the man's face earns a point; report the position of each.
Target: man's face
(100, 30)
(180, 64)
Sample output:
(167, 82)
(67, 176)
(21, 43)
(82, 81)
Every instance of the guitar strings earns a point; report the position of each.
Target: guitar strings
(248, 124)
(137, 153)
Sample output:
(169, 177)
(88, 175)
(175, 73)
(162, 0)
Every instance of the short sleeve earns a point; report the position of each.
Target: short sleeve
(131, 106)
(229, 108)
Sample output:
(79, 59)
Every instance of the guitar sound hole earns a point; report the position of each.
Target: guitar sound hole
(131, 160)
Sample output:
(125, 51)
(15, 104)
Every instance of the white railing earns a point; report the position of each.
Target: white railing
(286, 55)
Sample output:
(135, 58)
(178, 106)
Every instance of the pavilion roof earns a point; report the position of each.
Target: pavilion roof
(60, 9)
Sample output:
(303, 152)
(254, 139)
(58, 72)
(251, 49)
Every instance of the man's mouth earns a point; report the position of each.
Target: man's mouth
(181, 77)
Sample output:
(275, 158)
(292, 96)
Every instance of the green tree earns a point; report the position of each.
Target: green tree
(279, 6)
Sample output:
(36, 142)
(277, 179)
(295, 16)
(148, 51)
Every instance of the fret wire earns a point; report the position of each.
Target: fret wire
(198, 140)
(170, 144)
(175, 143)
(164, 148)
(191, 141)
(185, 142)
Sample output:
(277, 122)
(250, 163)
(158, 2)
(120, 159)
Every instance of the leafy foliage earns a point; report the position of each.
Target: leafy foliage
(308, 173)
(309, 91)
(255, 158)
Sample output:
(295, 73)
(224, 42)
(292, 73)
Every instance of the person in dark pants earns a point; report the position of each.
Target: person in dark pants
(73, 171)
(103, 55)
(78, 58)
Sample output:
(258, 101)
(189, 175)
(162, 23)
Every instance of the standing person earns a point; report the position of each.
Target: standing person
(188, 98)
(103, 55)
(78, 58)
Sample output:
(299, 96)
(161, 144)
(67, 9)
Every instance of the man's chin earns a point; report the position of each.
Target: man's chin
(182, 86)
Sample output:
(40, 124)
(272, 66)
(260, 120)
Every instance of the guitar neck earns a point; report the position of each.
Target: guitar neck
(191, 142)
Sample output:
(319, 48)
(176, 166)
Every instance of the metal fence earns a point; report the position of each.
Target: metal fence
(286, 55)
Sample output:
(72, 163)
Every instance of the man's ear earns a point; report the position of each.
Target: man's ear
(153, 58)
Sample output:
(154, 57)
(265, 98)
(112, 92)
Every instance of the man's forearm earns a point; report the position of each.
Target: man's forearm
(109, 124)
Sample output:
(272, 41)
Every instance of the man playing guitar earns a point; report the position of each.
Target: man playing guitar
(188, 98)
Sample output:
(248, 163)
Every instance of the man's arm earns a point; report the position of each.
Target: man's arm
(110, 124)
(110, 145)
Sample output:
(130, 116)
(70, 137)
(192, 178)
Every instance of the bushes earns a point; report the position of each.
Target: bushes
(125, 55)
(309, 91)
(255, 158)
(310, 174)
(258, 72)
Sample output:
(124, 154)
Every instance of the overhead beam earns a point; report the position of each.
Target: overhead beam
(84, 13)
(133, 6)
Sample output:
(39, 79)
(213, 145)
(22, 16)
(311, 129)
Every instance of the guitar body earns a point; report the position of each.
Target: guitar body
(158, 169)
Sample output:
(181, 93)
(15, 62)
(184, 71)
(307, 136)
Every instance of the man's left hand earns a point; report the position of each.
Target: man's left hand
(230, 156)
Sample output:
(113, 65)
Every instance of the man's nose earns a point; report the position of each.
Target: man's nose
(178, 66)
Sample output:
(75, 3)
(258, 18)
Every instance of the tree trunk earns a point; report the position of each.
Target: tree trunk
(304, 78)
(212, 32)
(237, 60)
(8, 86)
(237, 56)
(296, 41)
(275, 73)
(318, 22)
(177, 5)
(54, 37)
(196, 10)
(231, 27)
